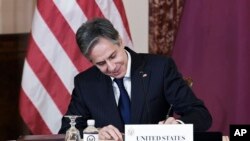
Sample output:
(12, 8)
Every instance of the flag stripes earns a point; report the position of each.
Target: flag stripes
(45, 73)
(111, 12)
(52, 50)
(53, 58)
(31, 113)
(122, 13)
(62, 31)
(41, 100)
(69, 8)
(90, 8)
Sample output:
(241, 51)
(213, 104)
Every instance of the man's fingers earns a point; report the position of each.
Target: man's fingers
(110, 132)
(170, 120)
(117, 132)
(161, 122)
(104, 135)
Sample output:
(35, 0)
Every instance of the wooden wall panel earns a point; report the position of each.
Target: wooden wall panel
(12, 53)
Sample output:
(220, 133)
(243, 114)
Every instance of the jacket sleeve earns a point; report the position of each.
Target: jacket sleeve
(185, 103)
(76, 107)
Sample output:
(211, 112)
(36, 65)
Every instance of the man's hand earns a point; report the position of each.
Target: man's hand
(110, 132)
(170, 120)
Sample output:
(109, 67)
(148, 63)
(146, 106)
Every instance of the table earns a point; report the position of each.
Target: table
(60, 137)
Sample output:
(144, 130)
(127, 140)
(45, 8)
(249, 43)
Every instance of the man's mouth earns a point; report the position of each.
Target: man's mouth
(116, 72)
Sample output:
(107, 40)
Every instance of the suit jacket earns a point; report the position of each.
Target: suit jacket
(155, 85)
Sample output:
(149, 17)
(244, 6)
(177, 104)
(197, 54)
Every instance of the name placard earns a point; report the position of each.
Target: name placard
(159, 132)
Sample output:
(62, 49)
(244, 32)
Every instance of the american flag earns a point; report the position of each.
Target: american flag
(53, 58)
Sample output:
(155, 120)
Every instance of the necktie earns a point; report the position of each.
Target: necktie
(124, 101)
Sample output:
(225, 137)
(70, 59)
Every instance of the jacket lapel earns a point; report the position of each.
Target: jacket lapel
(140, 79)
(109, 98)
(139, 95)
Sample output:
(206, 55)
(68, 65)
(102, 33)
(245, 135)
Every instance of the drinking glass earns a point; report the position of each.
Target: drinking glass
(72, 134)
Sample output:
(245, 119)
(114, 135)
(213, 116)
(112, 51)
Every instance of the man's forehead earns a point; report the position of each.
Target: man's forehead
(95, 58)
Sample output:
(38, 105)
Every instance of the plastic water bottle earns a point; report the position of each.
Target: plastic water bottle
(90, 133)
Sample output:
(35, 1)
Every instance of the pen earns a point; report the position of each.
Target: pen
(168, 114)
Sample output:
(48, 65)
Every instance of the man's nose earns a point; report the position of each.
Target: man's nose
(111, 66)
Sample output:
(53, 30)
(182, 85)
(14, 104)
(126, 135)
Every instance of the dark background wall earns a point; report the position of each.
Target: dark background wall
(12, 54)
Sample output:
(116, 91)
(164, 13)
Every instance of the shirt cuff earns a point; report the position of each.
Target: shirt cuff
(179, 121)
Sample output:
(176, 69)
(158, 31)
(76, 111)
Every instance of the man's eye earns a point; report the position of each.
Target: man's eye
(112, 57)
(100, 63)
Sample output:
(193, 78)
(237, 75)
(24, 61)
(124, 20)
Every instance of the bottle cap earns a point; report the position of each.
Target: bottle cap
(91, 122)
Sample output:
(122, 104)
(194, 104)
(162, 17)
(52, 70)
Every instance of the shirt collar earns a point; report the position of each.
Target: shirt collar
(128, 73)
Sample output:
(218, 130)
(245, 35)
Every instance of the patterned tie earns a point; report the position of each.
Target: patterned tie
(124, 101)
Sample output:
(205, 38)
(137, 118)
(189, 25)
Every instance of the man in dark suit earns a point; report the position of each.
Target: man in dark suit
(152, 85)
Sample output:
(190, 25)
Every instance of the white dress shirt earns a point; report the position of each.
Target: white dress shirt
(126, 81)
